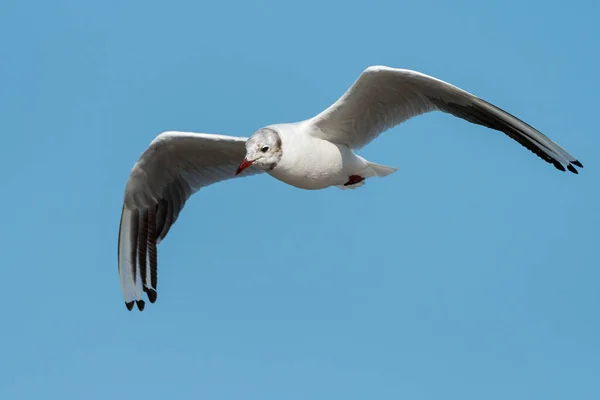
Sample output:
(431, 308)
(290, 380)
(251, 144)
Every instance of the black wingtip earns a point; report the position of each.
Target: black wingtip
(140, 304)
(559, 166)
(572, 169)
(151, 293)
(577, 163)
(129, 305)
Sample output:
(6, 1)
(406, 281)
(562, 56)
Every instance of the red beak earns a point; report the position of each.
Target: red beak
(245, 164)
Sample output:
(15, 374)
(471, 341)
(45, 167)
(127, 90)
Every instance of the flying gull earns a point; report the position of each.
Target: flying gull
(316, 153)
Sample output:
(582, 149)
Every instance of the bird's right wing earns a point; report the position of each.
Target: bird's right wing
(175, 165)
(383, 97)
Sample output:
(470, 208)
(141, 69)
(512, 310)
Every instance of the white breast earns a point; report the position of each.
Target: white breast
(312, 163)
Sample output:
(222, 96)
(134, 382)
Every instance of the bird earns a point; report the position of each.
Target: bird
(312, 154)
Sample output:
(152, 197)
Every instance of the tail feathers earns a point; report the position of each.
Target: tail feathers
(380, 170)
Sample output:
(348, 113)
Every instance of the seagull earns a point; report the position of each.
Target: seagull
(313, 154)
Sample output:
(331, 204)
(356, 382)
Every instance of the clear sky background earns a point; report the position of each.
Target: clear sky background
(471, 273)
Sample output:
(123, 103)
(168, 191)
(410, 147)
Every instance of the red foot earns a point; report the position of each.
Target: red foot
(354, 179)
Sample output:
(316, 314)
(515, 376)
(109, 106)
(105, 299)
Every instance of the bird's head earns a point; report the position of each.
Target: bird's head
(263, 150)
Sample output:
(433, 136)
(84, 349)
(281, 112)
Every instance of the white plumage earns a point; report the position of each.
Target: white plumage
(313, 154)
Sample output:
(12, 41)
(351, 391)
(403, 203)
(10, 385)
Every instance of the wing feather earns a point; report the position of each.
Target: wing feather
(384, 97)
(151, 278)
(173, 168)
(142, 244)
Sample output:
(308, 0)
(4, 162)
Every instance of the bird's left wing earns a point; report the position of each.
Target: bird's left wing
(173, 167)
(383, 97)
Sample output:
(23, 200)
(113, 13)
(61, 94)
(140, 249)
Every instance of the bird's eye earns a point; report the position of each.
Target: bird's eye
(264, 149)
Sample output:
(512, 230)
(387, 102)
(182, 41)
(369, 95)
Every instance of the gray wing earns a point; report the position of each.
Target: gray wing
(384, 97)
(175, 165)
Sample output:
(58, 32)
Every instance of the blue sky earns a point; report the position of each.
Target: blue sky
(470, 273)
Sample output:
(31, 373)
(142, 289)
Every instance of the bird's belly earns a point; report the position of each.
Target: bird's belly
(320, 168)
(308, 178)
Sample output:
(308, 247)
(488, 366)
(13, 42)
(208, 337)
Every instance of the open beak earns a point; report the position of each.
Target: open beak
(245, 164)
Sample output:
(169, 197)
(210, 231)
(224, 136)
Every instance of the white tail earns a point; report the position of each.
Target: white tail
(370, 170)
(380, 170)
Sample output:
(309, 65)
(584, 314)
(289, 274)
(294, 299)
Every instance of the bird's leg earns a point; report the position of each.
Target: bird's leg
(354, 179)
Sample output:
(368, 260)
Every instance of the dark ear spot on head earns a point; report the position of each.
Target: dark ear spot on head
(275, 134)
(277, 140)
